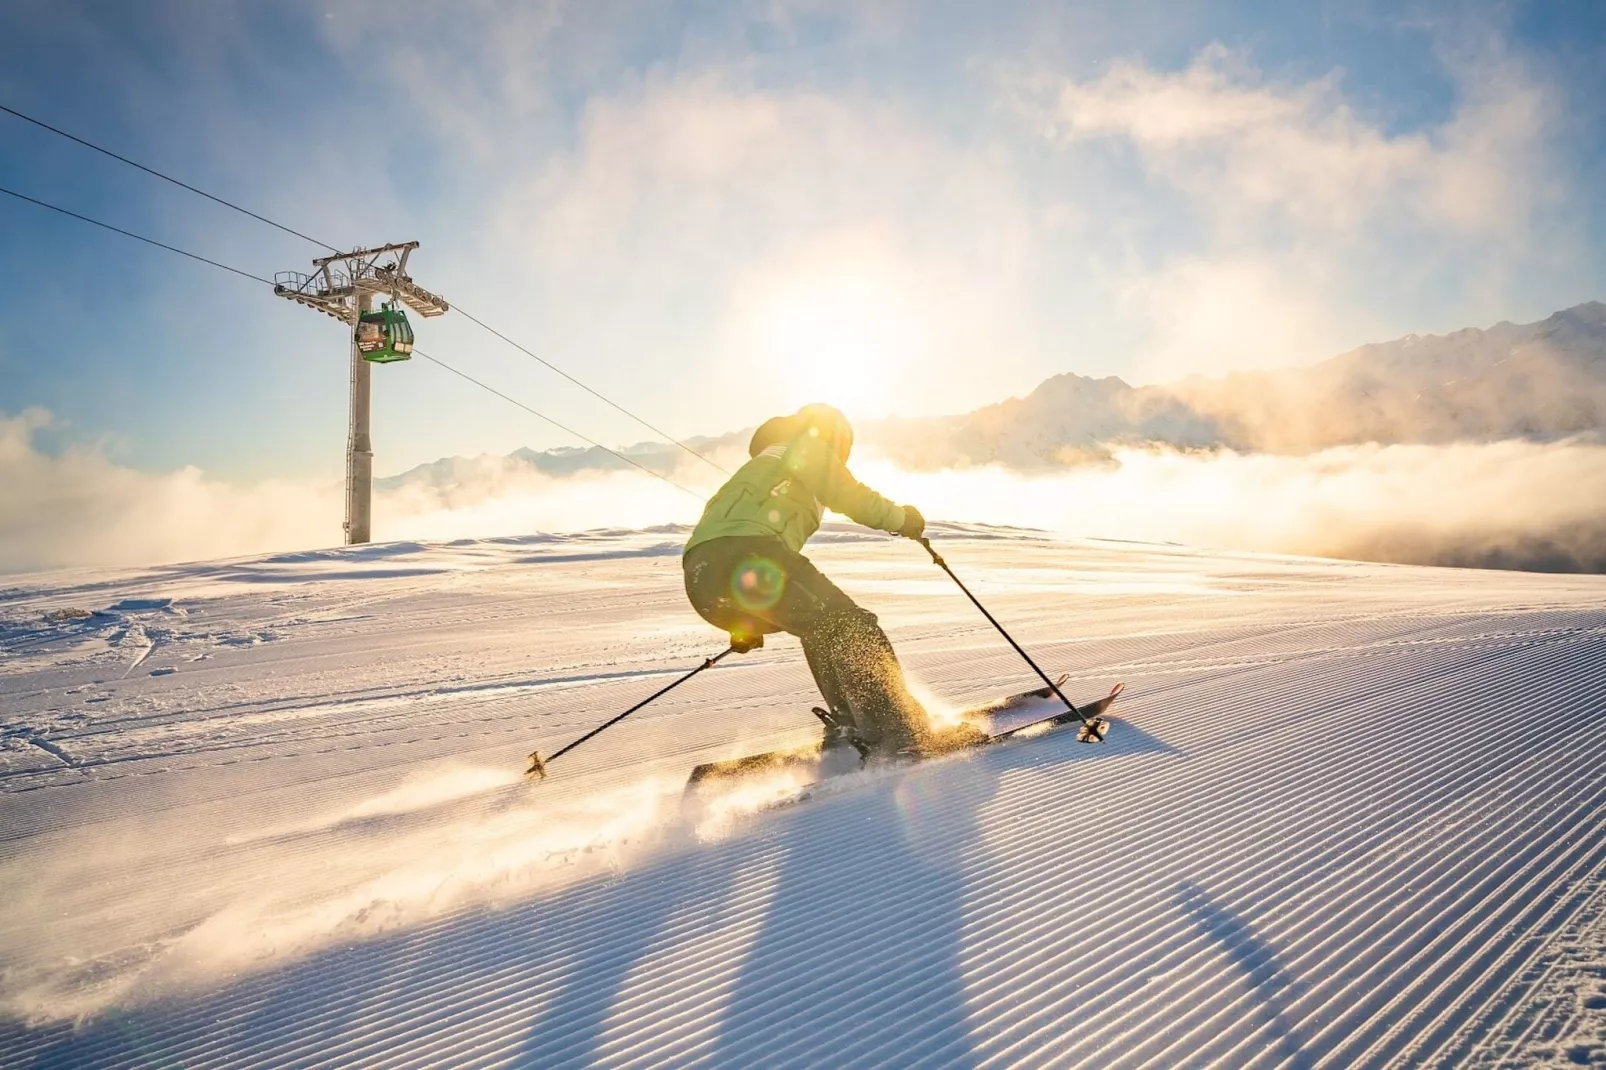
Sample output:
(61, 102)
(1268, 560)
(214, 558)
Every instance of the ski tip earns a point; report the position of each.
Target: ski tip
(714, 773)
(1117, 689)
(537, 769)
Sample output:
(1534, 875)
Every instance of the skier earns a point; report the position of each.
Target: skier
(745, 574)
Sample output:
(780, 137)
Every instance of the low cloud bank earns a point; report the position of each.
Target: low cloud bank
(79, 508)
(1509, 504)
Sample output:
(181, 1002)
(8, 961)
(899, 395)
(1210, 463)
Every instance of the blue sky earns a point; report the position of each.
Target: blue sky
(714, 211)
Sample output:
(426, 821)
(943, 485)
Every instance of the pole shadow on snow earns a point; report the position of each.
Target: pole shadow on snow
(606, 939)
(853, 958)
(859, 958)
(1274, 989)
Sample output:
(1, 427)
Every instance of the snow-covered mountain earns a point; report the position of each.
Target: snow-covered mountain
(1542, 380)
(563, 461)
(1535, 381)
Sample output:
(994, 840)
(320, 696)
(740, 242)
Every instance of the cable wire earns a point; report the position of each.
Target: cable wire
(561, 427)
(131, 234)
(165, 178)
(289, 230)
(434, 360)
(473, 319)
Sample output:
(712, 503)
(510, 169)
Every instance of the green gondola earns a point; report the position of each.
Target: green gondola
(385, 336)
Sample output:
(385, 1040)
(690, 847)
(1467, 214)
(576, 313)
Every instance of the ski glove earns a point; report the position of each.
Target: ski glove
(743, 643)
(914, 525)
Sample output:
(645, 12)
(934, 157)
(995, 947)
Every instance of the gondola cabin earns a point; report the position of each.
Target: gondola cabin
(385, 336)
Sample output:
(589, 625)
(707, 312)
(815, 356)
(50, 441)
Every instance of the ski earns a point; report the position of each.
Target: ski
(840, 752)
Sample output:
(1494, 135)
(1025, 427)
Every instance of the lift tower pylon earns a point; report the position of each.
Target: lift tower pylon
(343, 286)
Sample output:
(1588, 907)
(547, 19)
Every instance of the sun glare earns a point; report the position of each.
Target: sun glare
(845, 339)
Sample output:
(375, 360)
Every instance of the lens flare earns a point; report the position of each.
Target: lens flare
(758, 584)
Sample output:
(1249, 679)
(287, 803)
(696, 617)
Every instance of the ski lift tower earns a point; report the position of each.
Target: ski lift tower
(343, 286)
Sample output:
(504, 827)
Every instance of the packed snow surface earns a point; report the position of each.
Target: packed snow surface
(269, 812)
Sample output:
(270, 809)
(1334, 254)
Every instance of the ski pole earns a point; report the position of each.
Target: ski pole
(1091, 727)
(538, 764)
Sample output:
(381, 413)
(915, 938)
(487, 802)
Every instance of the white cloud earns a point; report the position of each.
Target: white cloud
(1301, 226)
(1225, 135)
(1207, 315)
(686, 205)
(468, 72)
(80, 508)
(658, 234)
(1412, 504)
(1417, 504)
(710, 237)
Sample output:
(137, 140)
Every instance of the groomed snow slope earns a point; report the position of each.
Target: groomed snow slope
(268, 813)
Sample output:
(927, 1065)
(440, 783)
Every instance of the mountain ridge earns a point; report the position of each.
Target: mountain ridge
(1537, 381)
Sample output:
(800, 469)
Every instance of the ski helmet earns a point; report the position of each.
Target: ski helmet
(830, 425)
(775, 429)
(823, 421)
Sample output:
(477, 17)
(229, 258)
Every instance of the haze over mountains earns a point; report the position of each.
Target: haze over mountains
(1537, 382)
(1482, 448)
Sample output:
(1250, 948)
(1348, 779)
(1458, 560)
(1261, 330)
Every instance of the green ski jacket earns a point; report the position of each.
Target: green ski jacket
(784, 489)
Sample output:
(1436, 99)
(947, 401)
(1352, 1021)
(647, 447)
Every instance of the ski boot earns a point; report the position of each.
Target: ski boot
(841, 731)
(895, 742)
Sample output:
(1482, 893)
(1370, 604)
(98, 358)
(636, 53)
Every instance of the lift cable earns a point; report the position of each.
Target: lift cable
(623, 457)
(434, 360)
(474, 319)
(164, 178)
(288, 230)
(131, 234)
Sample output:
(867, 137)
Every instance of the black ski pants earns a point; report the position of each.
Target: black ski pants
(755, 585)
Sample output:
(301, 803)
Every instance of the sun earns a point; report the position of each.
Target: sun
(843, 338)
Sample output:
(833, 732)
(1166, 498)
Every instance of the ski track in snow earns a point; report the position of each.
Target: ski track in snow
(268, 812)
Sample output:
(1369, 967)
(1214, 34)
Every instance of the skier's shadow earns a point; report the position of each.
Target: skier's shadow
(613, 929)
(859, 942)
(860, 948)
(1273, 987)
(862, 944)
